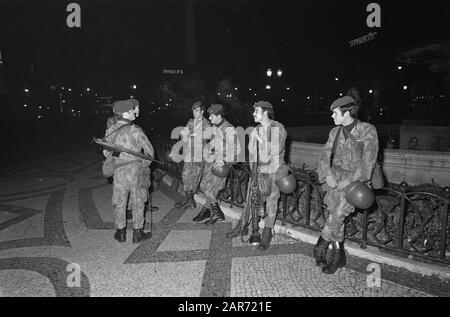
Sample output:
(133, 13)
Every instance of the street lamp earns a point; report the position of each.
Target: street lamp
(399, 68)
(268, 87)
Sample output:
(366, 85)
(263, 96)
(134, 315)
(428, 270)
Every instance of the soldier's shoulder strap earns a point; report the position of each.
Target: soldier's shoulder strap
(116, 130)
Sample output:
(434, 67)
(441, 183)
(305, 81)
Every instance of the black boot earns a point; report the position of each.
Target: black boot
(216, 215)
(337, 259)
(205, 213)
(255, 238)
(183, 202)
(319, 252)
(191, 203)
(238, 231)
(121, 235)
(139, 235)
(265, 239)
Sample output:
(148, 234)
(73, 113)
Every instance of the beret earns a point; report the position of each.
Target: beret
(122, 106)
(196, 105)
(342, 102)
(264, 105)
(134, 102)
(215, 109)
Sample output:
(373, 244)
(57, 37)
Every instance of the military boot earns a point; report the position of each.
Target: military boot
(319, 252)
(139, 235)
(183, 202)
(191, 203)
(205, 213)
(216, 215)
(238, 230)
(265, 239)
(255, 237)
(121, 235)
(337, 258)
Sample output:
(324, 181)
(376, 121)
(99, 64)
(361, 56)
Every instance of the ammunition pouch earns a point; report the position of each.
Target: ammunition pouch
(143, 181)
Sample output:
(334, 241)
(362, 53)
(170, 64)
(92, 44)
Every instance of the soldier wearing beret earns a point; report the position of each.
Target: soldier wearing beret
(222, 149)
(193, 136)
(127, 178)
(349, 155)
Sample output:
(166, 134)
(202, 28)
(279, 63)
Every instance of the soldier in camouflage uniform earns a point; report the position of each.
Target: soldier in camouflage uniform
(193, 159)
(127, 178)
(355, 154)
(222, 149)
(269, 138)
(267, 148)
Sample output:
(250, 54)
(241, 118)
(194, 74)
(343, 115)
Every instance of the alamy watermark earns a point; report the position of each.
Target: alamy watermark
(74, 278)
(374, 278)
(227, 145)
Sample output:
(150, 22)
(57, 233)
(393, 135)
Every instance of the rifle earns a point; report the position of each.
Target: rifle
(253, 204)
(118, 148)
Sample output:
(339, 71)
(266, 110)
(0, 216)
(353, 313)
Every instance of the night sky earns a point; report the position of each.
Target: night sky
(132, 41)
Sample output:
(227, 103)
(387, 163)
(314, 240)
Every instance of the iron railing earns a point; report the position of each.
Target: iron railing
(410, 220)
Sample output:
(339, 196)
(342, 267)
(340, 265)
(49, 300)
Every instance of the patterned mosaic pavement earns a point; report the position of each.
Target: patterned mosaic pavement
(56, 228)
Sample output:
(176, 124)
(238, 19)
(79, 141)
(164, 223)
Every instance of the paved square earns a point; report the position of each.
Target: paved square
(185, 240)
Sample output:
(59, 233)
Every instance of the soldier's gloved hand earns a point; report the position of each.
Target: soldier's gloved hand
(331, 182)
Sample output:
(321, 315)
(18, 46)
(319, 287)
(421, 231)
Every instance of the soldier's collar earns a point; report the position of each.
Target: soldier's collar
(220, 123)
(126, 120)
(350, 127)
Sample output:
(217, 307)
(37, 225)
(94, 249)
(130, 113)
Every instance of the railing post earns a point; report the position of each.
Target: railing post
(444, 222)
(231, 182)
(308, 200)
(284, 197)
(401, 222)
(365, 229)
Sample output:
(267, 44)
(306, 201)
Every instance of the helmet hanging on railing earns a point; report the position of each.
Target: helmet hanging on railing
(221, 171)
(285, 180)
(360, 195)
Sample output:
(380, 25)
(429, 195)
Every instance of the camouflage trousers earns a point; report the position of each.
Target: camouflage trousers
(191, 176)
(271, 200)
(125, 184)
(338, 209)
(211, 185)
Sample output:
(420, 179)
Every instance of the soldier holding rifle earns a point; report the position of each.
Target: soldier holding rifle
(131, 174)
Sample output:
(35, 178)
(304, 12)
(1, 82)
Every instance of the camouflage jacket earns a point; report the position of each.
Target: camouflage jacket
(224, 145)
(195, 137)
(354, 157)
(271, 149)
(131, 137)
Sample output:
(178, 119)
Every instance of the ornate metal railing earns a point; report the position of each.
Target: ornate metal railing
(404, 219)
